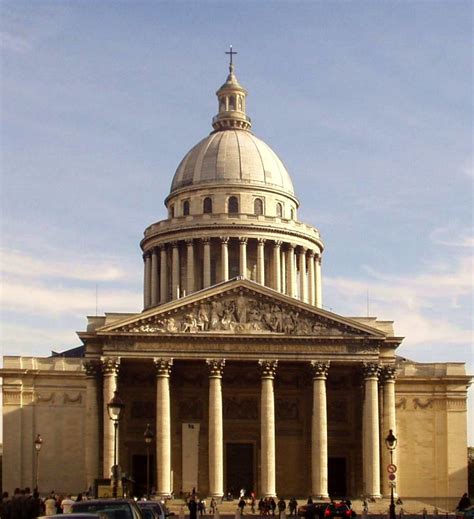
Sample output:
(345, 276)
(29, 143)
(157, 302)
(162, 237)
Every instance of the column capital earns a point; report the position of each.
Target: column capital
(320, 369)
(268, 368)
(174, 244)
(277, 244)
(261, 241)
(291, 246)
(205, 240)
(161, 246)
(302, 250)
(224, 240)
(163, 366)
(110, 365)
(189, 241)
(371, 370)
(311, 253)
(216, 367)
(389, 373)
(92, 368)
(243, 241)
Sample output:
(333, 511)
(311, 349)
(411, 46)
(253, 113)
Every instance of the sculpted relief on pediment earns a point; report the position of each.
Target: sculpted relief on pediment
(240, 313)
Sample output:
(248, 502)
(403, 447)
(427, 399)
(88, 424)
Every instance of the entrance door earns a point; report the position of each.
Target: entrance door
(240, 467)
(139, 473)
(337, 477)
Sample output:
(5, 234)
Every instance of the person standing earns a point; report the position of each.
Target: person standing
(241, 505)
(192, 505)
(281, 506)
(50, 504)
(66, 504)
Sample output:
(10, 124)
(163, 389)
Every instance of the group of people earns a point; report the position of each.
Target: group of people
(24, 504)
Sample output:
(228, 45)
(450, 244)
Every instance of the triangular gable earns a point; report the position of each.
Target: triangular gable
(240, 306)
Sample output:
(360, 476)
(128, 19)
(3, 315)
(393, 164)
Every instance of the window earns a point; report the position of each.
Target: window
(207, 205)
(171, 211)
(279, 210)
(233, 205)
(231, 103)
(258, 207)
(292, 213)
(186, 208)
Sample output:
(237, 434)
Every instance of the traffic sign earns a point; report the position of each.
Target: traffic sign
(392, 477)
(391, 468)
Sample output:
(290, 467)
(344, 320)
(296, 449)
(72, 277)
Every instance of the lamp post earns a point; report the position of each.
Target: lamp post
(38, 445)
(148, 435)
(391, 443)
(114, 408)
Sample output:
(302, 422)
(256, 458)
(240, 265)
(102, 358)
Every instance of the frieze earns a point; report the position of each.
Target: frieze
(418, 404)
(235, 408)
(242, 313)
(11, 397)
(45, 398)
(70, 399)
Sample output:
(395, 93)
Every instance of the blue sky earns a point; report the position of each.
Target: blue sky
(369, 105)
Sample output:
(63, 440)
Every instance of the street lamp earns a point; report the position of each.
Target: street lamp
(38, 445)
(391, 443)
(148, 435)
(114, 408)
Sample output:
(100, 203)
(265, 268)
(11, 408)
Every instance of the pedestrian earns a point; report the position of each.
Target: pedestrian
(50, 504)
(241, 505)
(213, 505)
(6, 506)
(252, 503)
(293, 505)
(281, 507)
(37, 506)
(192, 505)
(464, 502)
(79, 497)
(66, 504)
(16, 505)
(273, 505)
(310, 501)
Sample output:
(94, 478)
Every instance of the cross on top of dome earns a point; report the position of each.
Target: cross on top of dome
(231, 53)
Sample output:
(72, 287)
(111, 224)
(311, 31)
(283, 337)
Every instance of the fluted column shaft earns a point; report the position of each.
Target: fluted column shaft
(318, 287)
(147, 281)
(92, 424)
(225, 258)
(311, 281)
(190, 274)
(371, 451)
(154, 277)
(175, 271)
(206, 262)
(284, 273)
(163, 427)
(319, 436)
(267, 424)
(303, 282)
(243, 257)
(163, 275)
(389, 420)
(110, 369)
(276, 271)
(290, 268)
(216, 435)
(261, 261)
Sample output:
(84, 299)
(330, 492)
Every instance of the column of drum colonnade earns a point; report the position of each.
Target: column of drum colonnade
(109, 367)
(285, 259)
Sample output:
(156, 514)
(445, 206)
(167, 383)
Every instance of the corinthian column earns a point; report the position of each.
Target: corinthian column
(225, 258)
(261, 261)
(216, 442)
(319, 431)
(318, 288)
(154, 277)
(207, 262)
(290, 269)
(267, 424)
(92, 369)
(147, 281)
(276, 266)
(175, 288)
(284, 274)
(110, 369)
(311, 282)
(303, 281)
(243, 257)
(190, 266)
(163, 275)
(163, 427)
(389, 419)
(371, 447)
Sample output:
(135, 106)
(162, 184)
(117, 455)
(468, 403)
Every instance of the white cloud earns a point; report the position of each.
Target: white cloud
(453, 236)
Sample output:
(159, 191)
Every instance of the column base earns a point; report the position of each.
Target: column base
(374, 496)
(321, 496)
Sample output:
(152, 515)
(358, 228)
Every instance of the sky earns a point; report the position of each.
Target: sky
(368, 104)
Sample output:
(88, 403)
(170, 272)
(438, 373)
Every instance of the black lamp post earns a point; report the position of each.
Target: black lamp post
(38, 445)
(148, 435)
(114, 408)
(391, 443)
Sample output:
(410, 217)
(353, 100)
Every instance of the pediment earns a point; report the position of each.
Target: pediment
(240, 306)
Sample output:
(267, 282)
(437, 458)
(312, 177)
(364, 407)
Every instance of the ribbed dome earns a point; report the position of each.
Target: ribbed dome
(229, 157)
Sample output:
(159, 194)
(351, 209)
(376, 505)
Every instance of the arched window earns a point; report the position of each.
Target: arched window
(231, 103)
(171, 211)
(258, 207)
(233, 205)
(186, 208)
(279, 210)
(207, 205)
(292, 213)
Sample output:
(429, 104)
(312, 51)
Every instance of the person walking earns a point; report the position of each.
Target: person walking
(241, 505)
(293, 505)
(281, 507)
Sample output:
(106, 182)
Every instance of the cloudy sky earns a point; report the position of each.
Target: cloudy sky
(369, 104)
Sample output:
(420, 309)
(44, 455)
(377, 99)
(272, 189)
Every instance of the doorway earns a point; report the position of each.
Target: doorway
(337, 474)
(239, 468)
(139, 474)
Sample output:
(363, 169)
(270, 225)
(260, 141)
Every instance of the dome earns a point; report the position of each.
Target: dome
(232, 156)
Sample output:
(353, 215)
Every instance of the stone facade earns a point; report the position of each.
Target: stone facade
(246, 380)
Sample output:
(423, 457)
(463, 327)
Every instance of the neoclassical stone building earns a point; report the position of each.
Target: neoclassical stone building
(246, 379)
